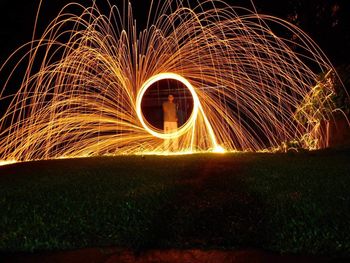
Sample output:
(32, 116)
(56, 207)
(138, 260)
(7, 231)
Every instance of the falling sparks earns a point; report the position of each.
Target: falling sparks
(246, 82)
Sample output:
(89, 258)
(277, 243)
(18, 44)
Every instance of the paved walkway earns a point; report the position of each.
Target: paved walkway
(115, 255)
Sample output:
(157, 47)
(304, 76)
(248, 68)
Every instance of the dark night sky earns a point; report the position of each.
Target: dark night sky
(17, 21)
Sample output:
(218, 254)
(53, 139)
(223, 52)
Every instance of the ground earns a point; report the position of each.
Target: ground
(295, 203)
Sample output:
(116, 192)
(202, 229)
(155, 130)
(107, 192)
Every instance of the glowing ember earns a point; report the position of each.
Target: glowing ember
(250, 89)
(7, 162)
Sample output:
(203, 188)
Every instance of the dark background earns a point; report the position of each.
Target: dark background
(326, 21)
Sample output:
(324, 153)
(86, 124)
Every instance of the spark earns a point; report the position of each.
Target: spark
(2, 163)
(83, 86)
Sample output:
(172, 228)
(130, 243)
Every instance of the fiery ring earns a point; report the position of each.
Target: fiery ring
(190, 122)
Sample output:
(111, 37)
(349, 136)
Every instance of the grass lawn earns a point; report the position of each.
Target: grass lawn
(289, 203)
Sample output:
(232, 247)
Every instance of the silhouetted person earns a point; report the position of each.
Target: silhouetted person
(170, 123)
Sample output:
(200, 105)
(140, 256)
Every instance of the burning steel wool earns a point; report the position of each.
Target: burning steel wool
(88, 73)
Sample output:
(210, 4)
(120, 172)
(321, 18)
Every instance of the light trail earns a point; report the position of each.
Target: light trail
(191, 121)
(82, 91)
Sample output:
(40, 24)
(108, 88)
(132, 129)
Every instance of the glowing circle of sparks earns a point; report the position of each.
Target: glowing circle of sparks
(190, 122)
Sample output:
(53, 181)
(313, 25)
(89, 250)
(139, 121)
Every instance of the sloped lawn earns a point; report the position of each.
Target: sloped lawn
(289, 203)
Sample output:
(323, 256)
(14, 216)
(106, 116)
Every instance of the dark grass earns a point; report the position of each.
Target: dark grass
(289, 203)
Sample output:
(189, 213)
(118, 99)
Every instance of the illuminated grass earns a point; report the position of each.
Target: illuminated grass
(289, 203)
